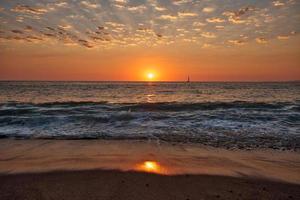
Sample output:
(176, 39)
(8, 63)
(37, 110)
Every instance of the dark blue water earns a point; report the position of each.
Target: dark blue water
(229, 115)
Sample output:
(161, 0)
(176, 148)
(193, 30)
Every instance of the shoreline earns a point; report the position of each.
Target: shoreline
(114, 170)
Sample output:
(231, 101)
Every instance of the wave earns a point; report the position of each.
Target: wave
(23, 108)
(229, 124)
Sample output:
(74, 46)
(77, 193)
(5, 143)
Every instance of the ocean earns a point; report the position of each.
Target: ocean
(225, 115)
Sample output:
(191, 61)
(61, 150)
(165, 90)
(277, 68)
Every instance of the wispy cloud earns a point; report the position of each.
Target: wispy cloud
(208, 35)
(208, 9)
(29, 9)
(215, 20)
(278, 3)
(168, 17)
(261, 40)
(90, 5)
(187, 14)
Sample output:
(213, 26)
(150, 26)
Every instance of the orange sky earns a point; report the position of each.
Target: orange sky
(242, 64)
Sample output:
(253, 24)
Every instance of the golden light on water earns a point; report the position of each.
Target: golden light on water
(151, 167)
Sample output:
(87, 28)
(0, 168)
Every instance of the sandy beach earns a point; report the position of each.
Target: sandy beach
(101, 169)
(100, 184)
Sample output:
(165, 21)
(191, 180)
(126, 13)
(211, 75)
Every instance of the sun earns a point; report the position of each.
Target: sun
(150, 76)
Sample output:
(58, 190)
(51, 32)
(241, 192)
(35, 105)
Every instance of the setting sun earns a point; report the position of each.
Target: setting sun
(150, 76)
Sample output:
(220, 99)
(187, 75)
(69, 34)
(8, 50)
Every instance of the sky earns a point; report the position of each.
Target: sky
(126, 40)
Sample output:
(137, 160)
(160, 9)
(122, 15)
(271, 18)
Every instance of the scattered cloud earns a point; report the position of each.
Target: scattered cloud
(235, 17)
(208, 35)
(156, 6)
(236, 20)
(159, 8)
(261, 40)
(61, 4)
(121, 1)
(187, 14)
(180, 2)
(278, 3)
(236, 42)
(168, 17)
(29, 10)
(220, 27)
(65, 26)
(208, 9)
(215, 20)
(139, 8)
(88, 4)
(161, 22)
(283, 37)
(198, 24)
(17, 31)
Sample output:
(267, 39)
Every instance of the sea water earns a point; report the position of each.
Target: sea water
(229, 115)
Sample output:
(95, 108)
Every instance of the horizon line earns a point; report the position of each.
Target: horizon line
(174, 81)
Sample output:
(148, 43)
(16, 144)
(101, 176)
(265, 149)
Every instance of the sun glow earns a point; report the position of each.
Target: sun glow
(150, 76)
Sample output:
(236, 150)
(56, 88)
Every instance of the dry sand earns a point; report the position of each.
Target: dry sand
(99, 169)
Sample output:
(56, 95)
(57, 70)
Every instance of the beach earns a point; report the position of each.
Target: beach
(113, 169)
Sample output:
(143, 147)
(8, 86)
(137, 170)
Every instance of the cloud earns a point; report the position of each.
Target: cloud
(208, 35)
(261, 40)
(236, 42)
(220, 27)
(236, 20)
(28, 28)
(243, 11)
(283, 37)
(168, 17)
(159, 8)
(154, 4)
(187, 14)
(61, 4)
(206, 45)
(121, 1)
(114, 24)
(65, 26)
(208, 9)
(278, 3)
(180, 2)
(215, 20)
(85, 43)
(17, 31)
(119, 4)
(236, 17)
(29, 9)
(139, 8)
(90, 5)
(199, 24)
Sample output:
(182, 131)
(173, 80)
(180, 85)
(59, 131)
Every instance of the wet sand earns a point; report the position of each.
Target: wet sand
(99, 169)
(113, 185)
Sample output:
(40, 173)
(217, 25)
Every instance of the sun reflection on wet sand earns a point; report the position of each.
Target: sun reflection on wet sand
(151, 167)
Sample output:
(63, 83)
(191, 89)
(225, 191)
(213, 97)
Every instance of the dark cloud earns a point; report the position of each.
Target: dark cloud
(17, 31)
(243, 11)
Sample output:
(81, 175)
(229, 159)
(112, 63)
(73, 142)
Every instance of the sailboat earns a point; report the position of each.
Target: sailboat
(188, 80)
